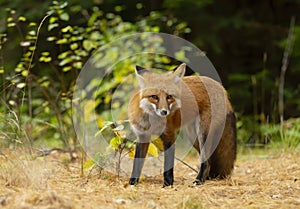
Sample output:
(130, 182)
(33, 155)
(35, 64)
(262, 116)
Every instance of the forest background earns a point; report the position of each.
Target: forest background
(254, 45)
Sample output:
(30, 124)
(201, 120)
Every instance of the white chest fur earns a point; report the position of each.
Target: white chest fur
(150, 125)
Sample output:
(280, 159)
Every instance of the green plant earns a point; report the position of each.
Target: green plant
(38, 88)
(120, 143)
(286, 135)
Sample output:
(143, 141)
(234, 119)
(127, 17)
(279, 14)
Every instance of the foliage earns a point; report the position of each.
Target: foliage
(122, 145)
(42, 51)
(285, 136)
(37, 92)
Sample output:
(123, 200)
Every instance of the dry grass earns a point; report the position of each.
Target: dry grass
(259, 181)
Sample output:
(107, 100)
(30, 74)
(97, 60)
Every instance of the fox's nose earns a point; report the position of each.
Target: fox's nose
(163, 112)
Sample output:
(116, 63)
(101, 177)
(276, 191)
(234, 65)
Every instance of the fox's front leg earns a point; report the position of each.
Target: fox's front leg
(139, 159)
(169, 154)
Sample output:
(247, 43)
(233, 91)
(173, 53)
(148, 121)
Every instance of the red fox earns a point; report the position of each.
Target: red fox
(168, 101)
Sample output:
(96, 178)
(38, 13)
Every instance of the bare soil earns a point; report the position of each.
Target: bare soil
(268, 180)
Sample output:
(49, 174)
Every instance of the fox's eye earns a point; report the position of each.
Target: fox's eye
(169, 97)
(154, 97)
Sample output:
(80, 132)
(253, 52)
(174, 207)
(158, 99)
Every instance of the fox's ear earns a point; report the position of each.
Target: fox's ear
(139, 71)
(179, 72)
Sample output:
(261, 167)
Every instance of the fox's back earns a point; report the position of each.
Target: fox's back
(204, 90)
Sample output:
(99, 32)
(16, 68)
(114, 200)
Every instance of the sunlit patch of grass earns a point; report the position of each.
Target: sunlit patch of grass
(21, 170)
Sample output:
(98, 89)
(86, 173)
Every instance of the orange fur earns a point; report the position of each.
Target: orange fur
(188, 102)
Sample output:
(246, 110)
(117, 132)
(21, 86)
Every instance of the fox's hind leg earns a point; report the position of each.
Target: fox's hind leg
(198, 139)
(203, 173)
(204, 162)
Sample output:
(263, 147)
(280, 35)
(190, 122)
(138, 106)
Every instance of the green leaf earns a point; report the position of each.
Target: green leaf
(118, 8)
(115, 142)
(10, 19)
(32, 33)
(74, 46)
(45, 53)
(131, 153)
(11, 102)
(87, 45)
(63, 5)
(67, 68)
(108, 123)
(152, 150)
(45, 83)
(96, 35)
(158, 143)
(119, 128)
(65, 61)
(63, 55)
(88, 164)
(51, 38)
(64, 16)
(22, 19)
(77, 65)
(52, 20)
(66, 29)
(62, 41)
(47, 110)
(25, 73)
(21, 85)
(181, 56)
(48, 59)
(155, 29)
(110, 16)
(139, 5)
(32, 48)
(32, 24)
(52, 26)
(12, 24)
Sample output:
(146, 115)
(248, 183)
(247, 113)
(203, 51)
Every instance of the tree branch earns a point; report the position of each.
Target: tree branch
(287, 51)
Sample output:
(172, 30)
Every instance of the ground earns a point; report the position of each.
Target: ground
(270, 179)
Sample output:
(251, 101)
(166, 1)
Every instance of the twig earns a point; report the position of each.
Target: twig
(287, 51)
(88, 176)
(2, 41)
(186, 164)
(35, 43)
(45, 152)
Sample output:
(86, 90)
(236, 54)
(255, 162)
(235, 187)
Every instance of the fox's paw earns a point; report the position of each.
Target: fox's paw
(168, 178)
(198, 182)
(167, 186)
(168, 182)
(133, 181)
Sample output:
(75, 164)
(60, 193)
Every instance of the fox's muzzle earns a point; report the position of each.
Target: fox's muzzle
(163, 112)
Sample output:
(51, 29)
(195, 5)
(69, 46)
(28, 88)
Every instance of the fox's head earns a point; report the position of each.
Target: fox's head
(160, 93)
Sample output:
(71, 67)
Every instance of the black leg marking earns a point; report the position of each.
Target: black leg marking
(168, 177)
(203, 173)
(169, 155)
(139, 159)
